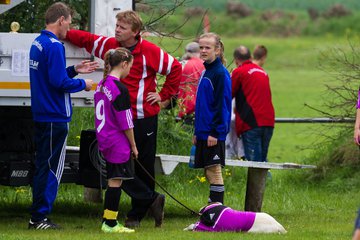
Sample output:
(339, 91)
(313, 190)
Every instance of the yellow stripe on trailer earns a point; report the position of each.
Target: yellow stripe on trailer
(24, 85)
(5, 1)
(14, 85)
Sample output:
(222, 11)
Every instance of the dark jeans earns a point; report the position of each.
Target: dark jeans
(256, 143)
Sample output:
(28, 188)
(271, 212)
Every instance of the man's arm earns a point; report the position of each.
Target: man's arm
(219, 90)
(172, 81)
(83, 67)
(357, 127)
(235, 83)
(57, 71)
(166, 65)
(93, 43)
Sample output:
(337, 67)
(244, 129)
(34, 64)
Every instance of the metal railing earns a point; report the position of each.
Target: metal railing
(315, 120)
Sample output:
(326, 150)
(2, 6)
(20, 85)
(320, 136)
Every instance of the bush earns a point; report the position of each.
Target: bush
(238, 9)
(173, 137)
(337, 10)
(337, 159)
(313, 13)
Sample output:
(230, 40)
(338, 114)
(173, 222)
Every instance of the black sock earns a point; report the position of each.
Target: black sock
(216, 193)
(112, 199)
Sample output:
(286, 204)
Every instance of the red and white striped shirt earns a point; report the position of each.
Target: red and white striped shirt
(149, 60)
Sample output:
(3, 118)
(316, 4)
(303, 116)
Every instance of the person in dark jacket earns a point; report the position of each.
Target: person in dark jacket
(212, 114)
(51, 84)
(356, 235)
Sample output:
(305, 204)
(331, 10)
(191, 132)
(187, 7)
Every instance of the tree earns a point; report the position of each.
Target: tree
(343, 66)
(30, 15)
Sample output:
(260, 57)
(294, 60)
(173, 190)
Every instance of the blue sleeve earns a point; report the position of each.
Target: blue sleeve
(71, 71)
(218, 124)
(58, 73)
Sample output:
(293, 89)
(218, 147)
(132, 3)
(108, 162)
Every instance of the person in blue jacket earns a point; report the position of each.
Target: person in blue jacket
(212, 114)
(51, 84)
(356, 234)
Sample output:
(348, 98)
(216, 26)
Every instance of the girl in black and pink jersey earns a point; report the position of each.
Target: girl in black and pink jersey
(114, 132)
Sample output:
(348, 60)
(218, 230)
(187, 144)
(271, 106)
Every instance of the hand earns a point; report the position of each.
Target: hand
(164, 104)
(357, 136)
(89, 84)
(86, 66)
(135, 152)
(194, 140)
(153, 97)
(211, 141)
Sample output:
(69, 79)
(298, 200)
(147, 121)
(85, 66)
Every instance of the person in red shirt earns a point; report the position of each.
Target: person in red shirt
(255, 114)
(192, 68)
(149, 60)
(259, 55)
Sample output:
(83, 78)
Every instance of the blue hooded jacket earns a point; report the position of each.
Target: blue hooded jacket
(213, 102)
(50, 81)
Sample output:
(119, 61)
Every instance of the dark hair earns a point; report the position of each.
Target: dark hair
(242, 53)
(114, 57)
(57, 10)
(218, 44)
(260, 51)
(131, 17)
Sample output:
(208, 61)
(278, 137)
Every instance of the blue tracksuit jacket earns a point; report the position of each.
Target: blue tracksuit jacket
(51, 82)
(213, 102)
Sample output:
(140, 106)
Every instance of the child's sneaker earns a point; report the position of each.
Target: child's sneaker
(117, 229)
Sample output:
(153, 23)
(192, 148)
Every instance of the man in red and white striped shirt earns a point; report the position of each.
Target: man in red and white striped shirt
(141, 82)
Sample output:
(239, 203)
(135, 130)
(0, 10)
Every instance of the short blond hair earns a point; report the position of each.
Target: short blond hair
(131, 17)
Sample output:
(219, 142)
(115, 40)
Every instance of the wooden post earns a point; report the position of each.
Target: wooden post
(93, 195)
(255, 189)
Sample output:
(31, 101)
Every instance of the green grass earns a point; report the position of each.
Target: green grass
(307, 210)
(278, 4)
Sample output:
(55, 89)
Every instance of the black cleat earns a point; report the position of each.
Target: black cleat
(157, 209)
(43, 225)
(132, 223)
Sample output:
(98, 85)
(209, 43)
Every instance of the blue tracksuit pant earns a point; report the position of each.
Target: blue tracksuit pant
(50, 141)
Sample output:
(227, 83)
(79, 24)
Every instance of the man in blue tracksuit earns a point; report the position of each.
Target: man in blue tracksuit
(212, 114)
(51, 84)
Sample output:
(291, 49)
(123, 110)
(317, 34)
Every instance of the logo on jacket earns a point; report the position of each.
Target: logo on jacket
(251, 71)
(33, 64)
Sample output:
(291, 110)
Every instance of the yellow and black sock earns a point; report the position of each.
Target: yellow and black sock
(111, 205)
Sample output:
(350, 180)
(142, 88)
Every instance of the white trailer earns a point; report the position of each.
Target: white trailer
(16, 125)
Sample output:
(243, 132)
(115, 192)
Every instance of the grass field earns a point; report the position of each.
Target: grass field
(278, 4)
(308, 209)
